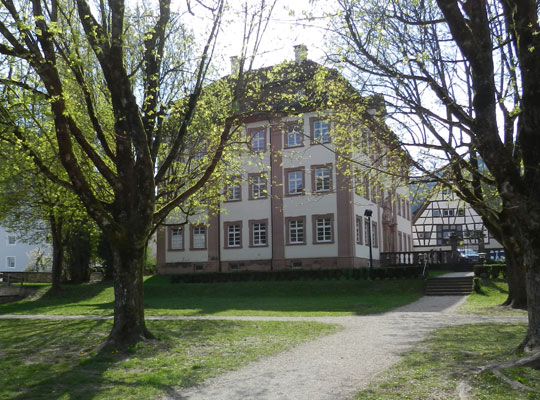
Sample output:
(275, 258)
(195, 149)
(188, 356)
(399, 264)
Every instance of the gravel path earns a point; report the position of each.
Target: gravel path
(337, 366)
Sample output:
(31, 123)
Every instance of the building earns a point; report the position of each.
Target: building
(444, 217)
(296, 204)
(15, 256)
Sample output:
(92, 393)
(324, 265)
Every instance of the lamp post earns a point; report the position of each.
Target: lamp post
(368, 213)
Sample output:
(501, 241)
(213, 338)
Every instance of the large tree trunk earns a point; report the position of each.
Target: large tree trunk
(532, 263)
(129, 326)
(79, 252)
(517, 286)
(58, 254)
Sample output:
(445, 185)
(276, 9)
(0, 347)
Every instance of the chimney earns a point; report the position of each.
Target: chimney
(300, 53)
(235, 65)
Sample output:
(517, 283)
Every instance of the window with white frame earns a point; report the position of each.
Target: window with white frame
(321, 132)
(258, 234)
(366, 232)
(234, 192)
(323, 230)
(258, 185)
(199, 237)
(359, 230)
(258, 142)
(12, 240)
(10, 262)
(176, 238)
(295, 181)
(234, 235)
(374, 234)
(294, 135)
(448, 212)
(296, 231)
(323, 180)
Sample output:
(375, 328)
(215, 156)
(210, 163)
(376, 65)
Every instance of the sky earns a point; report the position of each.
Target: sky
(288, 27)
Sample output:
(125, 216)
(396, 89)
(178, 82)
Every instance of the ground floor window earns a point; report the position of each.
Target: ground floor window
(233, 234)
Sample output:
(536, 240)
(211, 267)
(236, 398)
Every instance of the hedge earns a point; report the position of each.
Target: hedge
(492, 271)
(295, 275)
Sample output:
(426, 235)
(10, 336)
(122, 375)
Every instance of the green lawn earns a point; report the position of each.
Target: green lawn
(445, 363)
(61, 359)
(296, 298)
(493, 293)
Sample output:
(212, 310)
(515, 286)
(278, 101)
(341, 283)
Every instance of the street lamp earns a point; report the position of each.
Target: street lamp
(368, 213)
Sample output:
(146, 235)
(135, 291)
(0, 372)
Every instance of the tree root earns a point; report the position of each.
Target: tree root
(531, 360)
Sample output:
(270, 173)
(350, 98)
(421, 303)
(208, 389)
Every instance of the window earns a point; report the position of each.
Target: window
(424, 235)
(198, 237)
(257, 186)
(444, 232)
(359, 229)
(10, 262)
(366, 232)
(176, 238)
(257, 139)
(323, 228)
(436, 213)
(233, 234)
(12, 240)
(319, 131)
(296, 230)
(294, 135)
(234, 192)
(296, 265)
(461, 212)
(295, 181)
(321, 178)
(258, 233)
(374, 234)
(448, 212)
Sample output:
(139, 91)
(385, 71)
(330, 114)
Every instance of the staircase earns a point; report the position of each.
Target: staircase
(449, 286)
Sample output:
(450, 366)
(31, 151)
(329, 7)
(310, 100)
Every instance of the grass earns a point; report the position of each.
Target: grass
(61, 359)
(448, 359)
(493, 293)
(445, 363)
(295, 298)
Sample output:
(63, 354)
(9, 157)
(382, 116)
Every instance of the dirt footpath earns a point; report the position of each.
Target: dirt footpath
(339, 365)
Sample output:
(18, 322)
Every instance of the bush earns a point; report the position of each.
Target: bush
(294, 275)
(492, 271)
(477, 284)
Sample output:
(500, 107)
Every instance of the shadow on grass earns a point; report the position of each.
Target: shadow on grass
(342, 297)
(310, 296)
(62, 359)
(490, 286)
(70, 296)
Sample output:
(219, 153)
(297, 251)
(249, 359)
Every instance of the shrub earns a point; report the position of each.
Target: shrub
(477, 284)
(293, 275)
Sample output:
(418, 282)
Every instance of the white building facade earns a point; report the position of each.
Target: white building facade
(443, 217)
(15, 255)
(295, 206)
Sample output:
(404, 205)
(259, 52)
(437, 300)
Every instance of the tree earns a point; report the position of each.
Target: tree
(41, 212)
(106, 80)
(461, 78)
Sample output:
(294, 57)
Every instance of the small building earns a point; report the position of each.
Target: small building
(15, 255)
(444, 221)
(295, 204)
